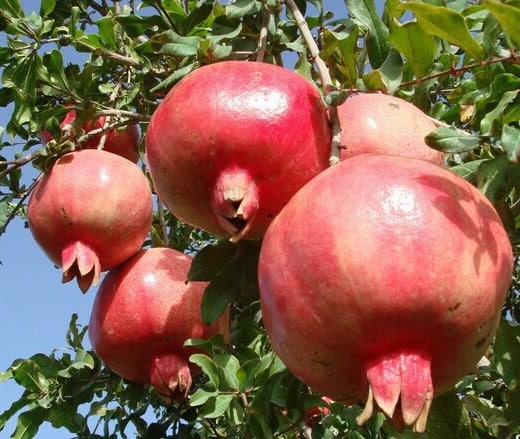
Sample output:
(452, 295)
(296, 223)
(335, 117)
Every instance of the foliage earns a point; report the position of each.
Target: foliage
(457, 60)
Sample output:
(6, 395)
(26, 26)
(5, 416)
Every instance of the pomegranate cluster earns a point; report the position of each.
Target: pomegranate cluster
(381, 278)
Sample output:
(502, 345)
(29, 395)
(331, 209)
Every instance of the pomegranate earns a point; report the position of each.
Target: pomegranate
(383, 279)
(90, 212)
(232, 142)
(121, 142)
(378, 123)
(143, 313)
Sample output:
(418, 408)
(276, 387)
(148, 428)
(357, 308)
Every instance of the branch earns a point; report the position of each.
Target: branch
(513, 58)
(120, 59)
(326, 80)
(262, 36)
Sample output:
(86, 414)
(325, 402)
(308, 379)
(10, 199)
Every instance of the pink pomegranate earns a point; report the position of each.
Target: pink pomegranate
(382, 280)
(378, 123)
(90, 212)
(121, 142)
(233, 141)
(143, 313)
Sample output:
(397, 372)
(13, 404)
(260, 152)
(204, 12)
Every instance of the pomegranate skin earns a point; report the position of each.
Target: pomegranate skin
(232, 142)
(143, 312)
(90, 212)
(382, 280)
(385, 124)
(121, 142)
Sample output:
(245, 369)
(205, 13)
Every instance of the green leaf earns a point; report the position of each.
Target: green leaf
(230, 366)
(507, 15)
(200, 396)
(512, 411)
(47, 6)
(208, 367)
(240, 8)
(388, 77)
(107, 32)
(452, 139)
(364, 13)
(489, 122)
(468, 170)
(445, 23)
(28, 423)
(507, 351)
(418, 47)
(217, 296)
(493, 178)
(448, 418)
(197, 16)
(216, 406)
(54, 63)
(511, 142)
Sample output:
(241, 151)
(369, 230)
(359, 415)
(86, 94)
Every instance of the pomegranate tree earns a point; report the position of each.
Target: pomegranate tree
(382, 280)
(378, 123)
(90, 212)
(121, 142)
(233, 141)
(143, 312)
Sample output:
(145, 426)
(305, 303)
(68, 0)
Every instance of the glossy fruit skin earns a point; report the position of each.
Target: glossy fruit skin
(121, 142)
(90, 212)
(233, 141)
(378, 272)
(385, 124)
(143, 312)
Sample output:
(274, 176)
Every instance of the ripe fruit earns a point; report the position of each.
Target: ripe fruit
(232, 142)
(383, 279)
(378, 123)
(121, 142)
(90, 212)
(143, 313)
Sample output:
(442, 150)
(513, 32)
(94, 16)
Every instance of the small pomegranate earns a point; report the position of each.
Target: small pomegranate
(121, 142)
(90, 212)
(233, 141)
(143, 313)
(379, 123)
(382, 280)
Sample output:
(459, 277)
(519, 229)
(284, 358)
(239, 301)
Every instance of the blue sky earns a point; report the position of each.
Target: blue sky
(35, 306)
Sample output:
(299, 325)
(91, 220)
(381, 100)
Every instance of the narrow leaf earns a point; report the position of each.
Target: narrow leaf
(208, 367)
(215, 407)
(388, 77)
(445, 23)
(217, 296)
(511, 142)
(448, 418)
(507, 15)
(451, 139)
(365, 15)
(507, 351)
(28, 423)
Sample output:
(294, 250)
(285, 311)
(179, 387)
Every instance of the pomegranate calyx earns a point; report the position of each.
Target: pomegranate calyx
(170, 376)
(403, 378)
(235, 201)
(79, 261)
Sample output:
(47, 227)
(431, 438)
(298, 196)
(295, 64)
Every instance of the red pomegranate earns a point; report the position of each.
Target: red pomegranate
(382, 280)
(233, 141)
(90, 212)
(121, 142)
(143, 313)
(378, 123)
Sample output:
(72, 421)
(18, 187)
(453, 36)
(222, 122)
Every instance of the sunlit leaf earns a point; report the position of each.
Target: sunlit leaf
(445, 23)
(452, 139)
(507, 15)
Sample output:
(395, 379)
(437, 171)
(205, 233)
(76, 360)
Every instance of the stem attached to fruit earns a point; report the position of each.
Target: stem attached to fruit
(235, 202)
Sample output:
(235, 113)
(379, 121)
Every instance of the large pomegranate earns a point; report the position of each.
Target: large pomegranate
(143, 313)
(382, 280)
(378, 123)
(122, 142)
(233, 141)
(90, 212)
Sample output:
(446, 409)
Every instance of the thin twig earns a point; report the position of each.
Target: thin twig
(262, 36)
(326, 80)
(162, 222)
